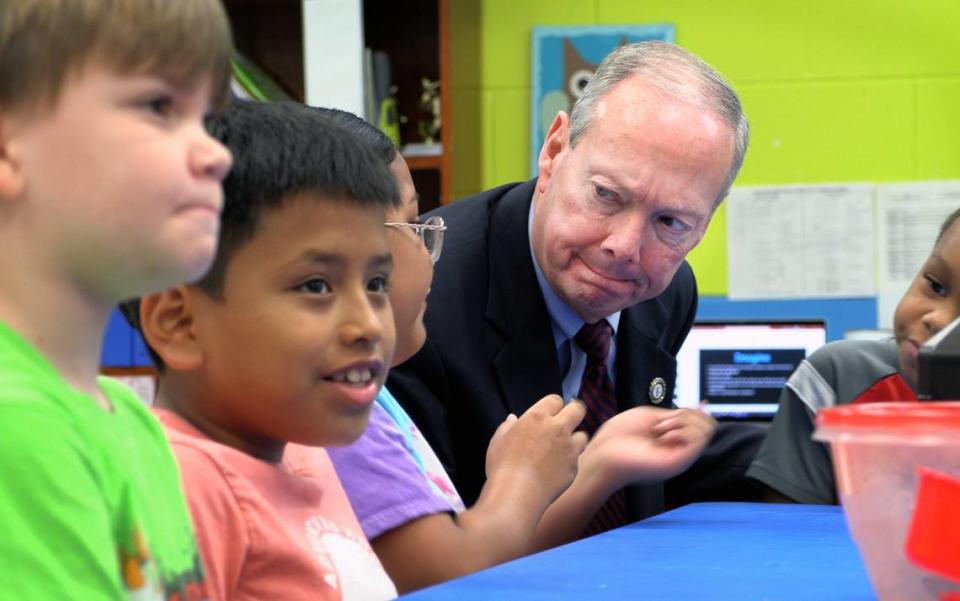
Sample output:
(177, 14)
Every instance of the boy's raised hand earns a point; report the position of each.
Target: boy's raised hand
(540, 448)
(648, 444)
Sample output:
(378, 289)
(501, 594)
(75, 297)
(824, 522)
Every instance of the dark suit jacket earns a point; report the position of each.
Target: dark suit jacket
(490, 349)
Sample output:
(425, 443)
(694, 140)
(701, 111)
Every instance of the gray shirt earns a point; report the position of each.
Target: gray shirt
(841, 372)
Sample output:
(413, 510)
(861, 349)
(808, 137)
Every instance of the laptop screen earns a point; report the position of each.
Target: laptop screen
(739, 368)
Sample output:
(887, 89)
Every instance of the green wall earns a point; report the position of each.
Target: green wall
(842, 90)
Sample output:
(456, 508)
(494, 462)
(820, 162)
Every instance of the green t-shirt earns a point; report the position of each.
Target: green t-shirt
(90, 500)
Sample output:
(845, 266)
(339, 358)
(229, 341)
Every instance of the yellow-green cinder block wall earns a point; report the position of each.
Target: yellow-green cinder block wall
(836, 90)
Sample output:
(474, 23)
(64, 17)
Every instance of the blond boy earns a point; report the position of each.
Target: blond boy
(109, 188)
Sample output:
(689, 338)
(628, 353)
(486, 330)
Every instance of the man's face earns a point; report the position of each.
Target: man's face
(615, 216)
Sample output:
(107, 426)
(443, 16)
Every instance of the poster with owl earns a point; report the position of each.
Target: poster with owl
(564, 59)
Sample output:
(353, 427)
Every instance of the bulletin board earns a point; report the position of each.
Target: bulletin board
(564, 60)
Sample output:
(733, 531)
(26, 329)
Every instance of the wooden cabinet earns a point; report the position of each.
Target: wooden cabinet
(415, 35)
(268, 32)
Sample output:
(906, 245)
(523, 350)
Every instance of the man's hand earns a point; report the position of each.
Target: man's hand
(647, 444)
(539, 450)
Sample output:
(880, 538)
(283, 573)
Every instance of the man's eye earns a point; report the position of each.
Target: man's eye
(935, 286)
(378, 284)
(674, 224)
(315, 286)
(603, 193)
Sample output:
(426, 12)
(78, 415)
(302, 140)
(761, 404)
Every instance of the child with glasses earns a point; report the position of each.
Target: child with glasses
(405, 501)
(282, 347)
(430, 232)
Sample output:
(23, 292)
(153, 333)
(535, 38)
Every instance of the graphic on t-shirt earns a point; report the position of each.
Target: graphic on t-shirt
(433, 469)
(140, 572)
(350, 565)
(142, 579)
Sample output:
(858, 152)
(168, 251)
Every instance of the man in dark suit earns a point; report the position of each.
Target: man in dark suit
(627, 185)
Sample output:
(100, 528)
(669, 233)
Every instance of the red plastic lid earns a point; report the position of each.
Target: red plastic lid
(906, 416)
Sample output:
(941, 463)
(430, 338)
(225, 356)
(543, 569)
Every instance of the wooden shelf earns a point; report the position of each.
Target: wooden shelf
(262, 31)
(415, 35)
(418, 162)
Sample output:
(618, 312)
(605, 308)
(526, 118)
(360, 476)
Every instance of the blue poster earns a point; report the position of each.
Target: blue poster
(564, 59)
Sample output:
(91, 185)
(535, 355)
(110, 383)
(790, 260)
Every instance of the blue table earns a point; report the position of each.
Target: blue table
(715, 551)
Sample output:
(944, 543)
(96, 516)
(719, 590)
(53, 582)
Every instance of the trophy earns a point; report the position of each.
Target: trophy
(429, 124)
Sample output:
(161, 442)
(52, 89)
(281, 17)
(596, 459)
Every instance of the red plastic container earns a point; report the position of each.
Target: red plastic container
(878, 450)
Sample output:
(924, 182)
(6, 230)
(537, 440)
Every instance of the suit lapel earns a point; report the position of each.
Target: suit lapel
(524, 357)
(640, 360)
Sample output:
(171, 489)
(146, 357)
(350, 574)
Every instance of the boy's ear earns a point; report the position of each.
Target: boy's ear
(166, 320)
(11, 177)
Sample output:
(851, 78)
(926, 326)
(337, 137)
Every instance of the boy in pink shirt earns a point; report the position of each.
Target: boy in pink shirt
(270, 530)
(286, 340)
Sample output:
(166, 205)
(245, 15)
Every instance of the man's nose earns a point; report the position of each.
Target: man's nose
(625, 238)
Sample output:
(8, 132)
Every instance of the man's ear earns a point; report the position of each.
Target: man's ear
(11, 175)
(167, 323)
(557, 140)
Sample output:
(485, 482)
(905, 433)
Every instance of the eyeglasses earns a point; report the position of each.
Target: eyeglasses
(430, 233)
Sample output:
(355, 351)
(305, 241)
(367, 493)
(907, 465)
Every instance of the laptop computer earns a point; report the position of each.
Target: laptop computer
(740, 367)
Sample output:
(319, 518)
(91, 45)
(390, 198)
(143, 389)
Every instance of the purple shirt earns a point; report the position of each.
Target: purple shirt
(386, 483)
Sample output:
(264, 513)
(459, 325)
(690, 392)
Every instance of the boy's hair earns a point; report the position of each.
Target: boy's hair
(45, 42)
(369, 135)
(280, 150)
(947, 224)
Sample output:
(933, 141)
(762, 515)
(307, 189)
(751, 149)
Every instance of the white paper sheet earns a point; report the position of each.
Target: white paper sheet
(909, 216)
(801, 241)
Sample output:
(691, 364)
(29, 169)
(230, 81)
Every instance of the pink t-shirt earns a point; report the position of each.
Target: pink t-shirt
(270, 531)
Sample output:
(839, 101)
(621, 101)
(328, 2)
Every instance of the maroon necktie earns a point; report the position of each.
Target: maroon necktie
(596, 390)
